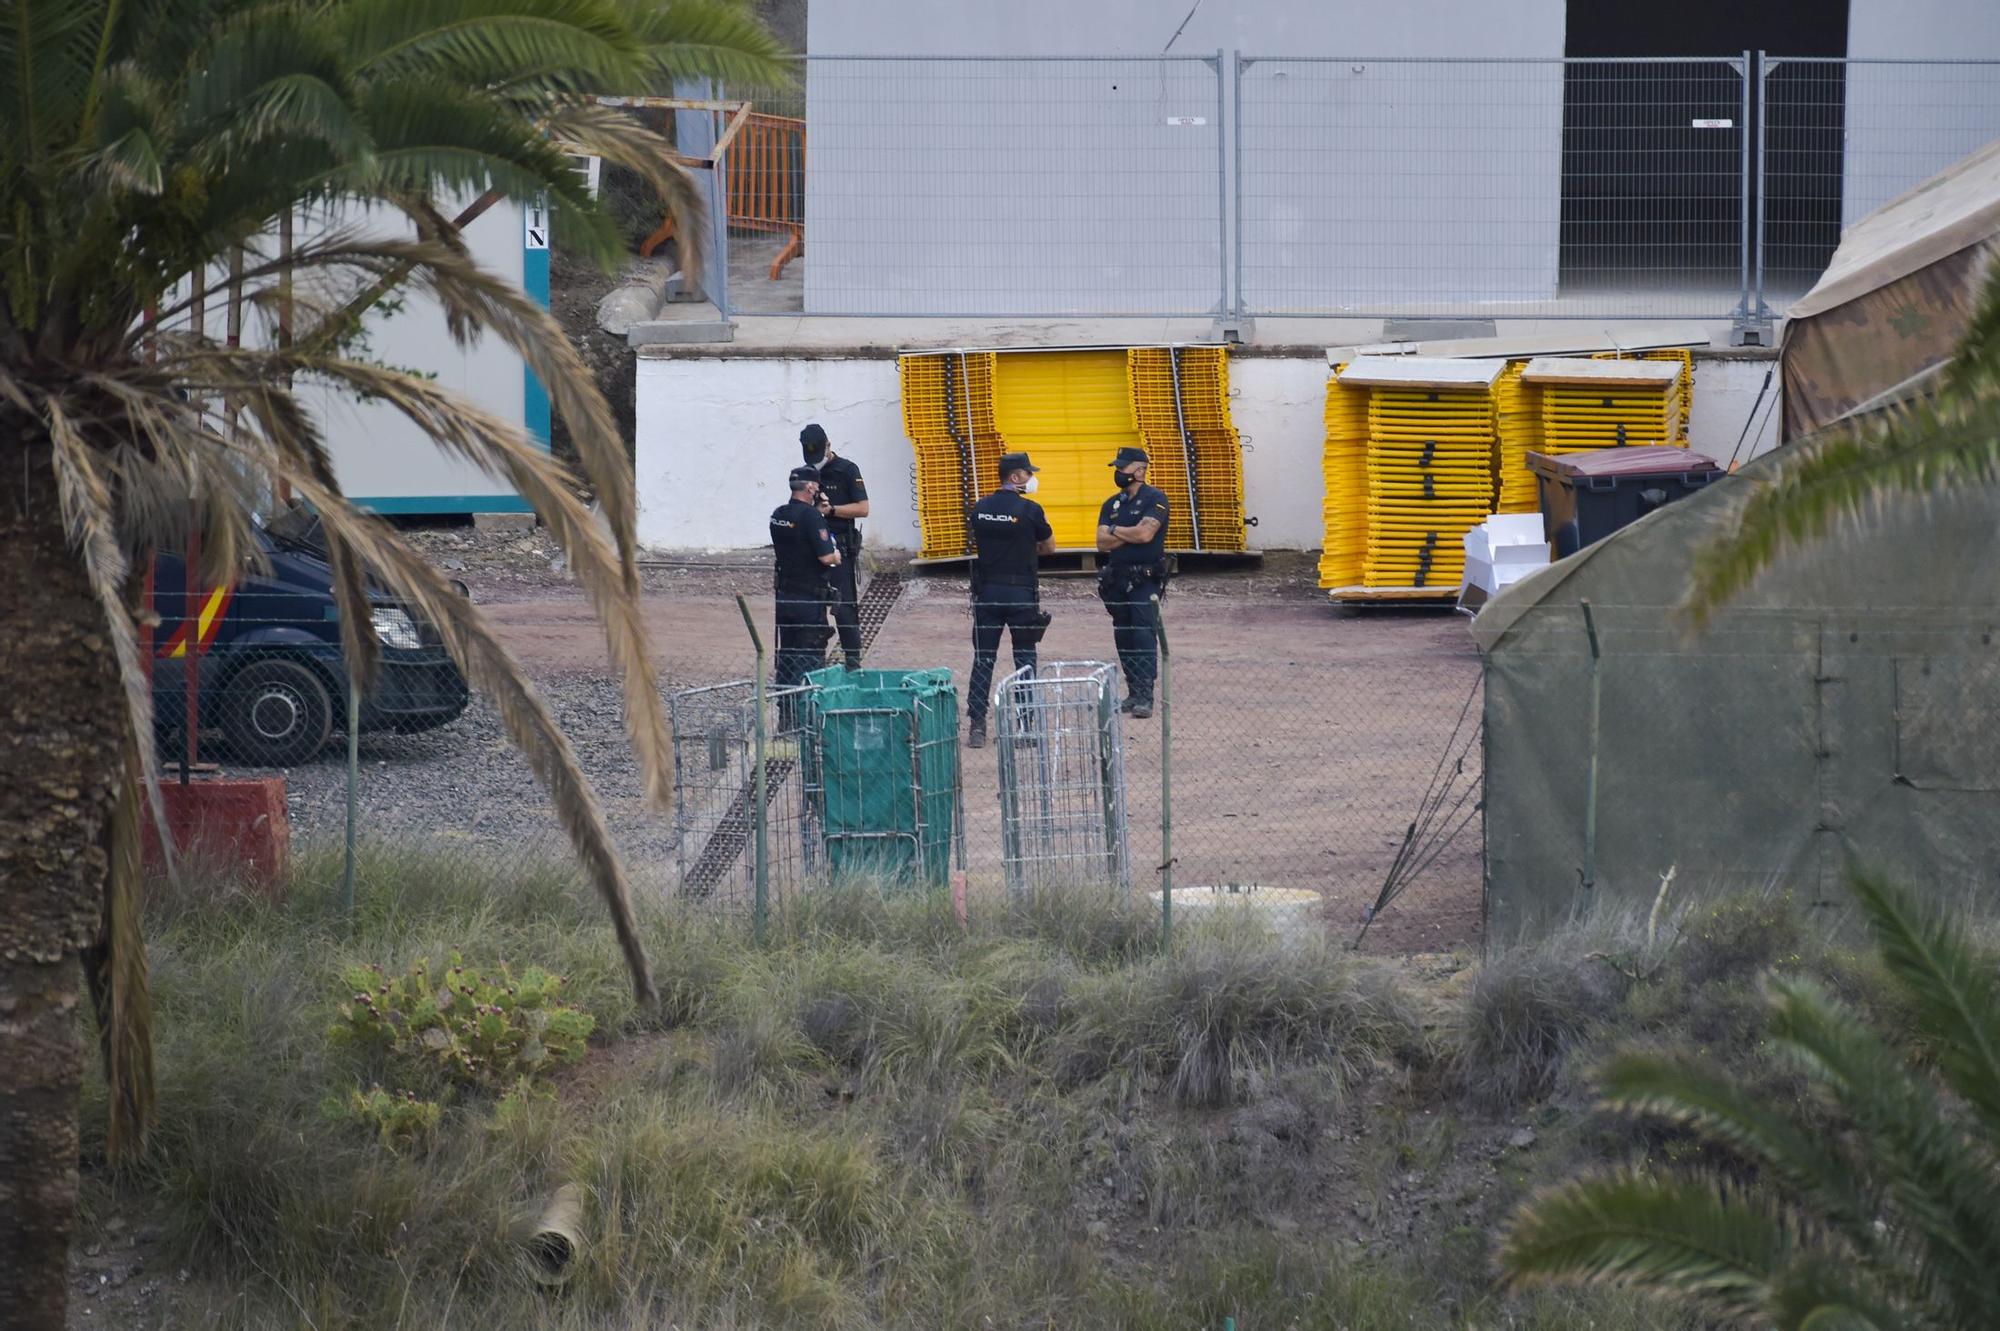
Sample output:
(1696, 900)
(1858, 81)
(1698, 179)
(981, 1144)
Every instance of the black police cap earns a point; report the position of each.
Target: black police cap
(1127, 456)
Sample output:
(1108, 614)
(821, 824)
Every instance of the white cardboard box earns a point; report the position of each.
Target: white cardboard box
(1500, 552)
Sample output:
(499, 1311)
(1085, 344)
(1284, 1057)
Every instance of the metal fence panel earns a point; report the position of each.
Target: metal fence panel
(1510, 188)
(1843, 137)
(993, 186)
(1062, 778)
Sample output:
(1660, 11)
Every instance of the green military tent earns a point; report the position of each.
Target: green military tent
(1845, 709)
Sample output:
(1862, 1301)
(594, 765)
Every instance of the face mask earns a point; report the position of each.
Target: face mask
(814, 456)
(1128, 479)
(1034, 483)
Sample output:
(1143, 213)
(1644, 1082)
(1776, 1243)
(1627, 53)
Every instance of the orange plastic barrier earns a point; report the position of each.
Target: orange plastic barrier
(766, 178)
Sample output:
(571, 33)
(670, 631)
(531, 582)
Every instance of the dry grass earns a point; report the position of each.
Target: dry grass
(876, 1120)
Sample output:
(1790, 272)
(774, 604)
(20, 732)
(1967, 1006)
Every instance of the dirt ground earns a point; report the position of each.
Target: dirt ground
(1307, 740)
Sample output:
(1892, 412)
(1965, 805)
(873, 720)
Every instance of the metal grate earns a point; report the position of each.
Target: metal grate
(884, 590)
(715, 806)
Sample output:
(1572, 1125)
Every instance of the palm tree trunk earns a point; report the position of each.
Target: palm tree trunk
(60, 718)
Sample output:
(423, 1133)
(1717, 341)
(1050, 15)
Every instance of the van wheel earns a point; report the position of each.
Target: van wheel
(276, 713)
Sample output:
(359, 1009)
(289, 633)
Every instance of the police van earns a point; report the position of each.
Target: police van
(272, 683)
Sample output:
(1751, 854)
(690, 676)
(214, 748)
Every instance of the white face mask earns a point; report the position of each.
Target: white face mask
(1034, 484)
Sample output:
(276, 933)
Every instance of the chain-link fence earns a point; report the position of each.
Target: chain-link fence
(1522, 188)
(1085, 185)
(1292, 765)
(1267, 761)
(1261, 760)
(1840, 138)
(1302, 184)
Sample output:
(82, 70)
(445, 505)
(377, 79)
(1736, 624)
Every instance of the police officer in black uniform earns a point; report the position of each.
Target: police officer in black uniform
(843, 501)
(1132, 538)
(1010, 533)
(807, 557)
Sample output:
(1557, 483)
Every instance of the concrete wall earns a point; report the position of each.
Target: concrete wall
(717, 435)
(1907, 122)
(951, 187)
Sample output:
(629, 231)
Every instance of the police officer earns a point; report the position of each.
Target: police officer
(1132, 538)
(807, 557)
(1010, 533)
(843, 501)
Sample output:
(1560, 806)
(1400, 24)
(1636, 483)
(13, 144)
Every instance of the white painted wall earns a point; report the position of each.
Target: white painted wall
(948, 186)
(1904, 123)
(716, 437)
(380, 454)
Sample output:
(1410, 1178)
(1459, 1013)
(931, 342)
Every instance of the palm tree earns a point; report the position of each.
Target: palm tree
(1837, 480)
(144, 141)
(1892, 1223)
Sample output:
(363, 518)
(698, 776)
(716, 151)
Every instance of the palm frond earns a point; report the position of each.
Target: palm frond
(603, 132)
(1688, 1235)
(1978, 354)
(1941, 1184)
(1953, 990)
(716, 39)
(587, 41)
(116, 965)
(493, 672)
(1682, 1091)
(1840, 479)
(1817, 1292)
(494, 444)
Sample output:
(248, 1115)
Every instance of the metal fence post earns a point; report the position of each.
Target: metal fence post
(1166, 780)
(353, 782)
(1222, 296)
(1743, 310)
(760, 850)
(1236, 66)
(1590, 785)
(1764, 67)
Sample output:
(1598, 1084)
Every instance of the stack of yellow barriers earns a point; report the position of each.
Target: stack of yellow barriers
(1680, 356)
(1073, 410)
(1518, 411)
(1589, 404)
(1426, 475)
(1344, 465)
(948, 416)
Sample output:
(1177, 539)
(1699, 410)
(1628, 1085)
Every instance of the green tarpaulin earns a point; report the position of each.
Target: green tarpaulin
(885, 754)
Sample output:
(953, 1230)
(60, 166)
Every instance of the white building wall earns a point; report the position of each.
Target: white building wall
(1905, 122)
(717, 435)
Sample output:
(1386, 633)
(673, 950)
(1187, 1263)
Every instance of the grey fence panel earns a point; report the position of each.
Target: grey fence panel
(1511, 188)
(992, 186)
(1843, 137)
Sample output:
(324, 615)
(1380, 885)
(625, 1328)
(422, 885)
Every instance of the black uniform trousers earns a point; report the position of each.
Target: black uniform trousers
(846, 585)
(1127, 591)
(998, 606)
(802, 637)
